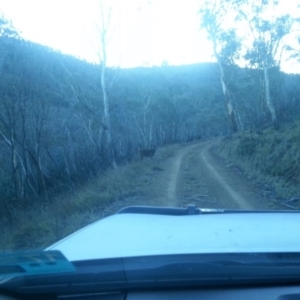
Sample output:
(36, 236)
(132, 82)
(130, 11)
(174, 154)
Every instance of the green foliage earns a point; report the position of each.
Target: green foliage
(272, 157)
(32, 235)
(43, 224)
(246, 146)
(7, 29)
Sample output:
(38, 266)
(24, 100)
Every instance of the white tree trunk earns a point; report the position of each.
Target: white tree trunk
(231, 112)
(269, 101)
(106, 118)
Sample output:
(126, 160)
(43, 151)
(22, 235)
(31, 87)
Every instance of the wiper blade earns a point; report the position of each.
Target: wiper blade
(170, 211)
(33, 263)
(191, 210)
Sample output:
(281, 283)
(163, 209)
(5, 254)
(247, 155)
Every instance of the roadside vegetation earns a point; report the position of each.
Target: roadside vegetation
(270, 158)
(40, 223)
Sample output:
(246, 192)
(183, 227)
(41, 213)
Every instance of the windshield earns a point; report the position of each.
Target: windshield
(106, 104)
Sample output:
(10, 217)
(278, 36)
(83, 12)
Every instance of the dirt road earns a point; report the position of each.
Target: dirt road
(199, 178)
(196, 176)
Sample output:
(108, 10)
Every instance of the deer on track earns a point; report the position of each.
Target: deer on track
(146, 152)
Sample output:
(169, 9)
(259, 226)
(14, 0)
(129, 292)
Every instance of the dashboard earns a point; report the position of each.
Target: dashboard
(282, 293)
(247, 293)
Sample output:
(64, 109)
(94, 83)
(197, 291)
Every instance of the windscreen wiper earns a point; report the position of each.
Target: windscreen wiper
(170, 211)
(190, 210)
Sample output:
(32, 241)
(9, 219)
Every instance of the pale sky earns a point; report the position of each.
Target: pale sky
(142, 32)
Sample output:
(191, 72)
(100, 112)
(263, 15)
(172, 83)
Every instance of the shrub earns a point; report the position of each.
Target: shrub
(246, 146)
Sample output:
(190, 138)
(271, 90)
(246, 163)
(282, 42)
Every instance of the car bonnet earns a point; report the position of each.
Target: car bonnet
(131, 234)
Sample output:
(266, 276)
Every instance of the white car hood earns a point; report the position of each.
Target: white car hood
(132, 234)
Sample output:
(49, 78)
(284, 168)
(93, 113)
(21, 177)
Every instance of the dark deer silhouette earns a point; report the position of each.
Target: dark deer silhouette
(146, 152)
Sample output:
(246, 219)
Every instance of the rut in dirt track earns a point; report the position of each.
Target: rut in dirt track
(197, 177)
(175, 172)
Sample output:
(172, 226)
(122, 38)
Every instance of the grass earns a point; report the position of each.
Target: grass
(41, 224)
(271, 158)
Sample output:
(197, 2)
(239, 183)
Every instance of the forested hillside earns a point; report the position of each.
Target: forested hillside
(52, 132)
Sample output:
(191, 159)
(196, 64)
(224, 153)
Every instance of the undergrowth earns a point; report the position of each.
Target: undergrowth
(270, 157)
(41, 224)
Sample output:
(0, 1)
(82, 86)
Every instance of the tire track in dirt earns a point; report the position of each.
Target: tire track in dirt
(198, 178)
(236, 197)
(171, 193)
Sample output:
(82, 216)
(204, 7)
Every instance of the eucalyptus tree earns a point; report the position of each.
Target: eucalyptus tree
(266, 44)
(146, 130)
(216, 17)
(103, 29)
(8, 111)
(24, 108)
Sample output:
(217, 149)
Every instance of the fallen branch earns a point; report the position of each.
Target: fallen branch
(290, 206)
